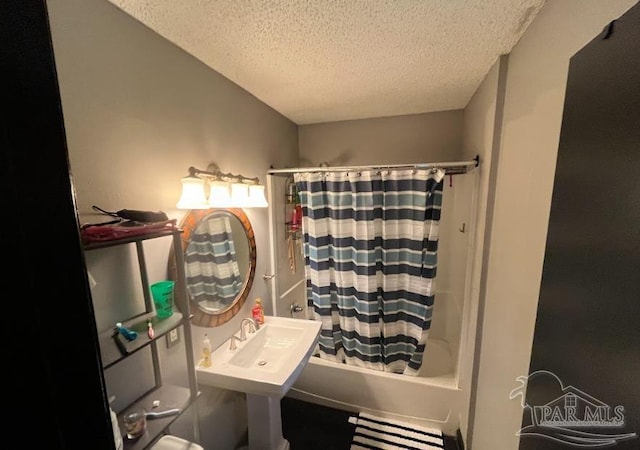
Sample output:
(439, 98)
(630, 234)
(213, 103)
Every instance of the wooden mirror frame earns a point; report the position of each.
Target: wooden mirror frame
(188, 226)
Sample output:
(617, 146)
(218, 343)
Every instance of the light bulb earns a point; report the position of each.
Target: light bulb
(239, 195)
(192, 194)
(256, 197)
(219, 194)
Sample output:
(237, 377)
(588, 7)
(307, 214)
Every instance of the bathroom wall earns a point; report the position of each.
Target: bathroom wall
(413, 138)
(138, 112)
(480, 137)
(535, 88)
(288, 285)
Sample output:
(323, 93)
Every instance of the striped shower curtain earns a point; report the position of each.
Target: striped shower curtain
(212, 272)
(370, 243)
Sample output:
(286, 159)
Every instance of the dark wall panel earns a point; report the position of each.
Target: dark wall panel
(53, 384)
(587, 329)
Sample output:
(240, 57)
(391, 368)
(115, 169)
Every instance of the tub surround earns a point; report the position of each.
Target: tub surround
(388, 394)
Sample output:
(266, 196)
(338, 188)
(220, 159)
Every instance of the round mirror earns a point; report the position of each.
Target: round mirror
(219, 251)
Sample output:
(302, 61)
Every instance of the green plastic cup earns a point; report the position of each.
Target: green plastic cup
(162, 293)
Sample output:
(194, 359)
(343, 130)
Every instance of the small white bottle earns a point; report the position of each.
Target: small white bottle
(117, 436)
(206, 351)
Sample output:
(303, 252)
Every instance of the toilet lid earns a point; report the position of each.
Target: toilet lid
(169, 442)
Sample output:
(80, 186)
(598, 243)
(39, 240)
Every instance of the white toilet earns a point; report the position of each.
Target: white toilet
(169, 442)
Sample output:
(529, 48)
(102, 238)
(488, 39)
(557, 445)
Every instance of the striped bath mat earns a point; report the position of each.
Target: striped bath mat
(385, 434)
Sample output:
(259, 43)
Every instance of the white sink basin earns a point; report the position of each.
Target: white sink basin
(268, 362)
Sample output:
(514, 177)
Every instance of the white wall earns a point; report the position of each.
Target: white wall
(138, 112)
(479, 138)
(535, 90)
(288, 286)
(453, 248)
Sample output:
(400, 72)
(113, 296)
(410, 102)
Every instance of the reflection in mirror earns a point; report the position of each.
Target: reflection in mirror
(213, 263)
(220, 255)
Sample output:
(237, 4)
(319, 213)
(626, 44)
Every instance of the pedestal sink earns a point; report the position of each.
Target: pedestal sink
(265, 366)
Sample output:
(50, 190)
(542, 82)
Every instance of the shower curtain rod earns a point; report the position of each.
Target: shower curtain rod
(450, 168)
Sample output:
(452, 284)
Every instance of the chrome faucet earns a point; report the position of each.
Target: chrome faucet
(232, 342)
(253, 327)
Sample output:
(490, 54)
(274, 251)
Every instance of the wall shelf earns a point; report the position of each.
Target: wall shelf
(115, 348)
(150, 234)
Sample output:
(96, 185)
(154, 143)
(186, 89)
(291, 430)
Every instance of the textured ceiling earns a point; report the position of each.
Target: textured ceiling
(320, 60)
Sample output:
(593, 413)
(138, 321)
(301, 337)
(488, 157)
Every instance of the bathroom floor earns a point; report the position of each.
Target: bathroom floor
(308, 426)
(313, 427)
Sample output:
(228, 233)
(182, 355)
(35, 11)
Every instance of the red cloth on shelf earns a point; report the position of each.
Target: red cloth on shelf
(101, 233)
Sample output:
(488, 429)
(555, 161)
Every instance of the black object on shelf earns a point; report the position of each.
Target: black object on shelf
(118, 341)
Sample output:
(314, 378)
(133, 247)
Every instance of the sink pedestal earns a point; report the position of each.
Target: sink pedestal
(265, 423)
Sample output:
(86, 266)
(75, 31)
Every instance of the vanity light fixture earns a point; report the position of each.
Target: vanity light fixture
(226, 190)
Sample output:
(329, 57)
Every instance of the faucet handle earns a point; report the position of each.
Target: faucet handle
(232, 342)
(253, 326)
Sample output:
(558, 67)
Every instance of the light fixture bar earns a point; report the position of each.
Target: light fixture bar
(225, 189)
(219, 175)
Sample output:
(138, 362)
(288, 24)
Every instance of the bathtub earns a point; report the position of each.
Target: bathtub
(431, 399)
